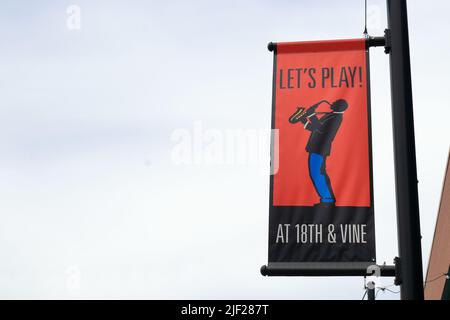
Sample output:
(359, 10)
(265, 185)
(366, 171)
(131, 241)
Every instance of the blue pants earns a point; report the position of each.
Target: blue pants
(320, 178)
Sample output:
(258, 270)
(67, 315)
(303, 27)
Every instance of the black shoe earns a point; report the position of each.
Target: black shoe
(325, 205)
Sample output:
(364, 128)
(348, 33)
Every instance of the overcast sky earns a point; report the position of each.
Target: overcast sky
(93, 203)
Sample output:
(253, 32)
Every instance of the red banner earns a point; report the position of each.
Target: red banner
(321, 191)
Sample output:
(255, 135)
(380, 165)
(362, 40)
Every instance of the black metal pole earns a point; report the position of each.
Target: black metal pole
(408, 222)
(371, 291)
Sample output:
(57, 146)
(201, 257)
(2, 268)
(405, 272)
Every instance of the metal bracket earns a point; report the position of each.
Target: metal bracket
(387, 37)
(323, 269)
(381, 41)
(376, 42)
(398, 279)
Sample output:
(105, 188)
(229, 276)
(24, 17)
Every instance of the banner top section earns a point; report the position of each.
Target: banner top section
(318, 46)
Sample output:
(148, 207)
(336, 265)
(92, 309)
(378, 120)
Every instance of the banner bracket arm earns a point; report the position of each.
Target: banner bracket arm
(324, 270)
(381, 41)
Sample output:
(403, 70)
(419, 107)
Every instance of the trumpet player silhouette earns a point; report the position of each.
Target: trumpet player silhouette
(323, 131)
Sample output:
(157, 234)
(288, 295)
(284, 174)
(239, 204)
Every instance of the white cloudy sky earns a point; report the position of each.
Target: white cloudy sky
(92, 204)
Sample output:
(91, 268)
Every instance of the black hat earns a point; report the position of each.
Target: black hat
(339, 105)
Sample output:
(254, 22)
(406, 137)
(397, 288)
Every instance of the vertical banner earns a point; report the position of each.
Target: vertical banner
(321, 198)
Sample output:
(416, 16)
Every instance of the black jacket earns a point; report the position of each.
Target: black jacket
(323, 131)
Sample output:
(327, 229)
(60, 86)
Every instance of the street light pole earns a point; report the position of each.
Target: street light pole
(408, 221)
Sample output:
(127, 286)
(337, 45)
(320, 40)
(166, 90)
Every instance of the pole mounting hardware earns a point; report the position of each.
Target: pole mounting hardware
(397, 279)
(387, 41)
